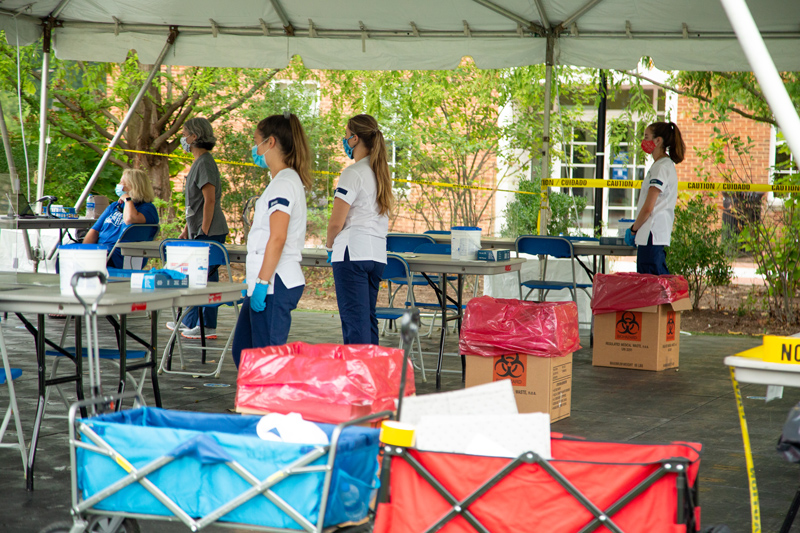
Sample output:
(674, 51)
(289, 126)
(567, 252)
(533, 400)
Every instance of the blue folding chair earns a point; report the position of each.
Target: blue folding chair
(405, 243)
(7, 376)
(585, 287)
(134, 233)
(556, 247)
(218, 257)
(397, 269)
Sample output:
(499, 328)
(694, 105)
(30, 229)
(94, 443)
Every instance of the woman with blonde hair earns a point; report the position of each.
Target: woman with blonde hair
(357, 229)
(133, 207)
(275, 281)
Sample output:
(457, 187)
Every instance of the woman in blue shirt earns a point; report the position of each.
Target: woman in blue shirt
(133, 207)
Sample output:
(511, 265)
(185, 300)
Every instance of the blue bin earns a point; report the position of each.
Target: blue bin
(199, 481)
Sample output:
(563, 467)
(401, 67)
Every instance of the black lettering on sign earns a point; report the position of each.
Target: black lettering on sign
(786, 352)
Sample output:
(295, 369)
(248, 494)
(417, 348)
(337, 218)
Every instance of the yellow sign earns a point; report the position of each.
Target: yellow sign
(781, 350)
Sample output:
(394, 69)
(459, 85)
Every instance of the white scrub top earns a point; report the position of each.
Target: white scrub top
(663, 176)
(364, 231)
(284, 193)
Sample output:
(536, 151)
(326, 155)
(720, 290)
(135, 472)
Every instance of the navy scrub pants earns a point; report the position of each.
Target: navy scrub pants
(357, 284)
(271, 326)
(191, 318)
(651, 259)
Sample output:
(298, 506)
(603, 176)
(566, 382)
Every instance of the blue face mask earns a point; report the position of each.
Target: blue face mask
(118, 190)
(185, 145)
(347, 148)
(258, 159)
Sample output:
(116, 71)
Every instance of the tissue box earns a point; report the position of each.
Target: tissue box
(489, 254)
(150, 282)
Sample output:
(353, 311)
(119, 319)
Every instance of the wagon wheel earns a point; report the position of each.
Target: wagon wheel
(112, 524)
(57, 527)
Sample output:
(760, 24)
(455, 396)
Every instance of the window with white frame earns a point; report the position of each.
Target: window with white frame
(783, 165)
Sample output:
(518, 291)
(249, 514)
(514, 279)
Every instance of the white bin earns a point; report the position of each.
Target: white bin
(74, 258)
(190, 258)
(465, 241)
(624, 223)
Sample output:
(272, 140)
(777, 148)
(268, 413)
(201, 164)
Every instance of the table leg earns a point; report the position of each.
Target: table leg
(443, 304)
(123, 352)
(79, 363)
(460, 318)
(153, 352)
(40, 349)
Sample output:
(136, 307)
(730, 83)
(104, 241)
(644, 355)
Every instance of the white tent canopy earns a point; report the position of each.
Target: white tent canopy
(407, 34)
(418, 34)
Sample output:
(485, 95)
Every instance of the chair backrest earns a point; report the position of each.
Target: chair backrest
(437, 232)
(580, 238)
(397, 269)
(436, 248)
(135, 233)
(541, 245)
(406, 242)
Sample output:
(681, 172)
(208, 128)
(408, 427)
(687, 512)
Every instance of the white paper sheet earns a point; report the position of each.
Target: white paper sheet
(495, 398)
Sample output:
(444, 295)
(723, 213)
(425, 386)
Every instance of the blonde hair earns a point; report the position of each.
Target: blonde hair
(366, 127)
(291, 137)
(140, 188)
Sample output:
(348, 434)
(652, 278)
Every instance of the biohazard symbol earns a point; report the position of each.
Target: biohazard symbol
(670, 326)
(506, 367)
(627, 324)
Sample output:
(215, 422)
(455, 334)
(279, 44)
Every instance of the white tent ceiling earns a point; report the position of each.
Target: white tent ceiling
(407, 34)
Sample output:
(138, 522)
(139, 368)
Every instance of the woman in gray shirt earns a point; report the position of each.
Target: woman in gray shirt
(204, 218)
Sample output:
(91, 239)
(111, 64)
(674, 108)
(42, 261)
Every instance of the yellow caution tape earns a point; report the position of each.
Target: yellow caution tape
(682, 185)
(755, 507)
(397, 433)
(459, 186)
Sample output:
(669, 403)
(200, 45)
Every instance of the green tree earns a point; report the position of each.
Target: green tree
(89, 99)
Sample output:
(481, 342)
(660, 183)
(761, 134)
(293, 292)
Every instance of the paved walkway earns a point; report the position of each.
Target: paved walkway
(694, 403)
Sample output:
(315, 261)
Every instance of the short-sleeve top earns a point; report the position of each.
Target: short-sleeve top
(110, 225)
(365, 229)
(284, 193)
(204, 170)
(663, 176)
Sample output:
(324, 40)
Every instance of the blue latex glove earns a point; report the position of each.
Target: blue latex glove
(258, 301)
(630, 238)
(330, 255)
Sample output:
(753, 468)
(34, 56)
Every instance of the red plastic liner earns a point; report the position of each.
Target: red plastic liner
(496, 326)
(323, 382)
(529, 499)
(628, 290)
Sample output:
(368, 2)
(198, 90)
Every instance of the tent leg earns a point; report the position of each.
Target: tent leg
(764, 68)
(12, 168)
(173, 34)
(45, 93)
(544, 211)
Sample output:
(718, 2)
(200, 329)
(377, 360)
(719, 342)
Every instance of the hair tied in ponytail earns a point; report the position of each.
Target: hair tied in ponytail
(287, 114)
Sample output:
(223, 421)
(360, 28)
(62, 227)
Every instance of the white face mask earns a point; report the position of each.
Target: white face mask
(185, 145)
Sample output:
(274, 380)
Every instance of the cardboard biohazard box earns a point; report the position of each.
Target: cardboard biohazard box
(541, 384)
(646, 338)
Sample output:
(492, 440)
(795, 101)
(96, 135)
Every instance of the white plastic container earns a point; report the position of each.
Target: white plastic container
(190, 258)
(465, 241)
(624, 223)
(74, 258)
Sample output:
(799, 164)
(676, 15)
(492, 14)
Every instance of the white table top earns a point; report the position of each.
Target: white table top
(317, 257)
(749, 370)
(41, 294)
(45, 223)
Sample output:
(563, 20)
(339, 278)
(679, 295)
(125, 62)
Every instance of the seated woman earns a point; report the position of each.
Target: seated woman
(133, 207)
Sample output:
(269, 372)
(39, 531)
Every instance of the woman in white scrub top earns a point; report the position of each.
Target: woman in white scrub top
(275, 243)
(357, 229)
(652, 229)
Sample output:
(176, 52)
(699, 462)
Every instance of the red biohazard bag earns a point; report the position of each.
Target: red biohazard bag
(323, 382)
(496, 326)
(627, 290)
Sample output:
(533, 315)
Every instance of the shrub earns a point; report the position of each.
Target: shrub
(696, 251)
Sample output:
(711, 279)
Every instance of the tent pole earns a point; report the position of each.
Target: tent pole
(600, 156)
(44, 90)
(173, 34)
(544, 216)
(763, 67)
(12, 168)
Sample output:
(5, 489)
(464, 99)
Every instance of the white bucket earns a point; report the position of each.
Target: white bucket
(624, 223)
(190, 258)
(74, 258)
(465, 241)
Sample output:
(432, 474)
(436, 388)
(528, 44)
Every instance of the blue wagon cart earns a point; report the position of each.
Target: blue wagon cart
(198, 468)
